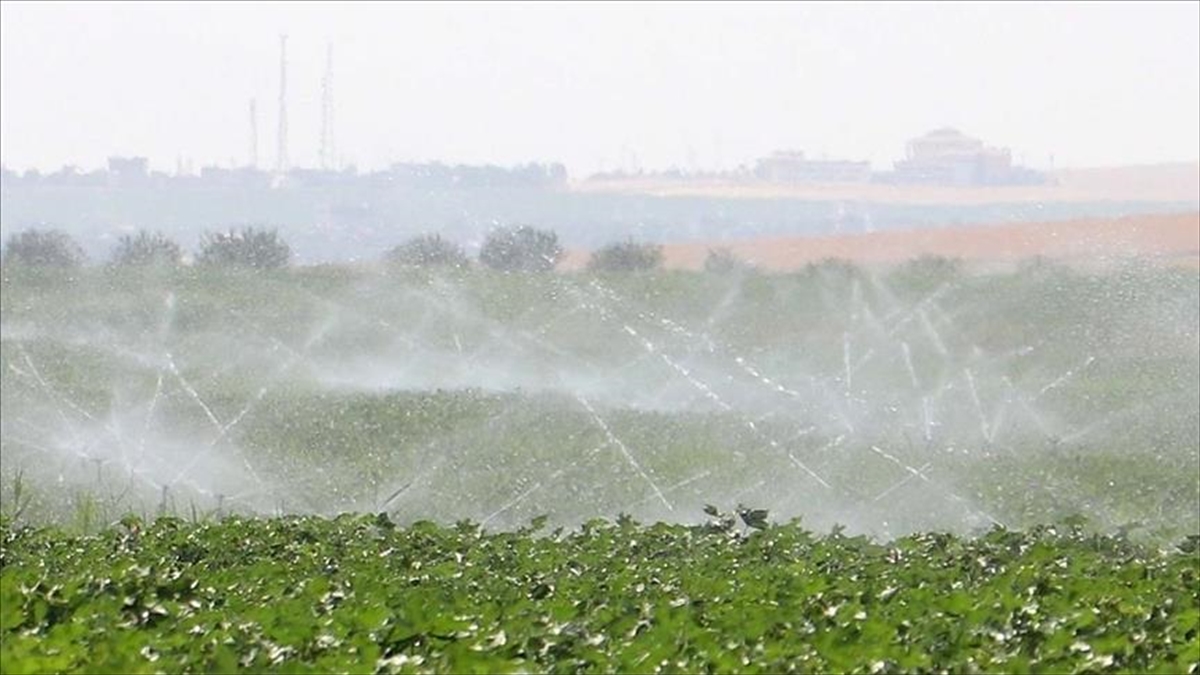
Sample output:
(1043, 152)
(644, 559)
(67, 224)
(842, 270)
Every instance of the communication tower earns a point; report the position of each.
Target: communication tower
(281, 158)
(328, 153)
(253, 134)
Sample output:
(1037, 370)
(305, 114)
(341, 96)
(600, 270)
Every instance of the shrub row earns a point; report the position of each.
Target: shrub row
(523, 249)
(517, 249)
(247, 247)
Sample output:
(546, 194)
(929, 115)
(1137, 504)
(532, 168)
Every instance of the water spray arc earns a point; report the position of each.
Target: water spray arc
(887, 405)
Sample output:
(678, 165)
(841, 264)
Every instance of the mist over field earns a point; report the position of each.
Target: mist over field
(278, 333)
(920, 397)
(371, 221)
(653, 337)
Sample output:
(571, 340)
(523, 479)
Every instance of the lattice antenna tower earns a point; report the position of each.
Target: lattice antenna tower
(328, 150)
(281, 156)
(253, 134)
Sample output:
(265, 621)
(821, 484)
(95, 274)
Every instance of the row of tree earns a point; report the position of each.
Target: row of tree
(249, 247)
(517, 249)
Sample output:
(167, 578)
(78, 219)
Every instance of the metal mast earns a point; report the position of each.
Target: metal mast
(253, 134)
(328, 154)
(281, 158)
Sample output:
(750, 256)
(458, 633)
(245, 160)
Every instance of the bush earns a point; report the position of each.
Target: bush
(723, 261)
(523, 249)
(933, 266)
(833, 269)
(48, 248)
(927, 271)
(1040, 266)
(250, 247)
(428, 250)
(626, 257)
(146, 249)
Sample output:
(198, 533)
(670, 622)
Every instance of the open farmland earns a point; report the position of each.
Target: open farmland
(884, 405)
(423, 338)
(360, 595)
(922, 398)
(1172, 238)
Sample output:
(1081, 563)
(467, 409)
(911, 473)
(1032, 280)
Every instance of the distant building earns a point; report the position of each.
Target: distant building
(124, 171)
(73, 176)
(947, 156)
(8, 176)
(794, 167)
(239, 178)
(320, 178)
(442, 176)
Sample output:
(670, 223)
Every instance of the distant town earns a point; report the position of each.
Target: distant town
(943, 157)
(134, 172)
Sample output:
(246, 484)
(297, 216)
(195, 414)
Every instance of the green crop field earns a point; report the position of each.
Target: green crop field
(357, 594)
(942, 417)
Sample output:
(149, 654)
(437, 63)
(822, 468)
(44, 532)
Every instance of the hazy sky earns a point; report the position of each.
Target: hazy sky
(705, 84)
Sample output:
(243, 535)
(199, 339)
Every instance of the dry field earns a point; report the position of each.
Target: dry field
(1171, 238)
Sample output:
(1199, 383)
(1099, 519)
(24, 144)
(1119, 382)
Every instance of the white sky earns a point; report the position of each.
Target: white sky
(704, 84)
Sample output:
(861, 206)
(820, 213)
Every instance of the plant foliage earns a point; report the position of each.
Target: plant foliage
(249, 247)
(43, 248)
(359, 593)
(723, 261)
(927, 271)
(628, 256)
(428, 250)
(521, 249)
(146, 248)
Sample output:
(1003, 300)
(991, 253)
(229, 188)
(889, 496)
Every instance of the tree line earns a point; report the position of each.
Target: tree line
(508, 249)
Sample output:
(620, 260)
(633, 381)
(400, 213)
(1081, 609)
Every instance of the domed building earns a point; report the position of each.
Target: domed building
(946, 156)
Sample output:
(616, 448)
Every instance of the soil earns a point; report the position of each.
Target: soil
(1172, 239)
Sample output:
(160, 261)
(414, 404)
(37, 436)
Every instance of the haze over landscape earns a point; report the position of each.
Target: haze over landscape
(598, 337)
(599, 86)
